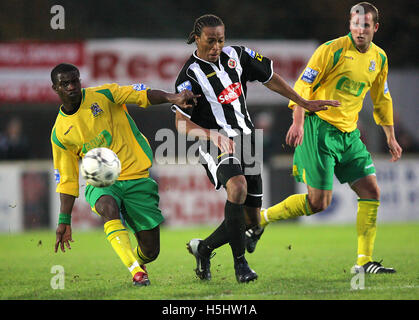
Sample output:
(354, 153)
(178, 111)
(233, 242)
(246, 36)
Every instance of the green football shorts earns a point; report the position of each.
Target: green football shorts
(326, 151)
(138, 201)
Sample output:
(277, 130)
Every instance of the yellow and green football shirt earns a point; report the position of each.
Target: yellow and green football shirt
(338, 71)
(101, 121)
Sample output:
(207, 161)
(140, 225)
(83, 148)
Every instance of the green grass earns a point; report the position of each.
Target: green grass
(292, 261)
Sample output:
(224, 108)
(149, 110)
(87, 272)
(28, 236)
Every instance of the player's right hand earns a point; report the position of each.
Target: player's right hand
(186, 99)
(295, 135)
(63, 236)
(224, 143)
(319, 105)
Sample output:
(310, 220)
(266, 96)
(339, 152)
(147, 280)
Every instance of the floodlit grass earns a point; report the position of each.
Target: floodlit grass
(292, 261)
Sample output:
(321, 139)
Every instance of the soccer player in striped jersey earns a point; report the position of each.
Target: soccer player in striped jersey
(220, 74)
(328, 142)
(97, 117)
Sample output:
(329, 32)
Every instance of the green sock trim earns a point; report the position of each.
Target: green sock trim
(308, 212)
(143, 257)
(370, 200)
(115, 231)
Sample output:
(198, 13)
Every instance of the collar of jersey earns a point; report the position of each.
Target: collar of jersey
(208, 62)
(353, 43)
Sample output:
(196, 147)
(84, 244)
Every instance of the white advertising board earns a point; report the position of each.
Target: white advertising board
(11, 209)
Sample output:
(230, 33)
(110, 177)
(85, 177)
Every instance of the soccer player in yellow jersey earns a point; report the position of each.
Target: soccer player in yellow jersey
(97, 117)
(328, 142)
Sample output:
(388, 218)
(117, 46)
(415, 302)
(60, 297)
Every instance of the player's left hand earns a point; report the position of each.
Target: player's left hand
(295, 135)
(63, 236)
(394, 149)
(319, 105)
(186, 99)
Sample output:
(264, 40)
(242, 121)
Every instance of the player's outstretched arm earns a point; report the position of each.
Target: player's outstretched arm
(184, 99)
(64, 232)
(279, 85)
(394, 147)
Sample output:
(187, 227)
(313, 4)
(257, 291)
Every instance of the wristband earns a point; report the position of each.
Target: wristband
(64, 218)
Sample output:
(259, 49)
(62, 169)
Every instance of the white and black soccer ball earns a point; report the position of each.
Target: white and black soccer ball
(100, 167)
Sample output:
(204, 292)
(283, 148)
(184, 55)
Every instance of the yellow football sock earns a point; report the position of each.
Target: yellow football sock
(118, 236)
(366, 228)
(293, 206)
(140, 256)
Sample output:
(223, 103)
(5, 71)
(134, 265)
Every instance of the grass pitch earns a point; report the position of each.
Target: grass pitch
(293, 262)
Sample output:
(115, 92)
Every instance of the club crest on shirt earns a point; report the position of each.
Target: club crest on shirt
(232, 63)
(372, 66)
(96, 110)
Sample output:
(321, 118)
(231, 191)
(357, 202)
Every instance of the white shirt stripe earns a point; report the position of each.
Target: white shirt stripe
(216, 107)
(226, 81)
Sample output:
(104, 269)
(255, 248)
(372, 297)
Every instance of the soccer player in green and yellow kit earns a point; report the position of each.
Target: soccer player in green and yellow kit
(97, 117)
(328, 142)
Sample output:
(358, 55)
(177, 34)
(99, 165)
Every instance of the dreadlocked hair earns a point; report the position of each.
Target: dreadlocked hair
(207, 20)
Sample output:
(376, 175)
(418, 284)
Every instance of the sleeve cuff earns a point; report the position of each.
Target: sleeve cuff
(175, 108)
(272, 73)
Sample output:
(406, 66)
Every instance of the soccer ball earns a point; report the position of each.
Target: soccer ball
(100, 167)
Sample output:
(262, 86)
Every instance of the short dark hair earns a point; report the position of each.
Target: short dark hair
(207, 20)
(366, 8)
(61, 68)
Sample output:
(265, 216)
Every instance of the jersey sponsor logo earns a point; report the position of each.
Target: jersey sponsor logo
(57, 176)
(350, 86)
(96, 110)
(139, 86)
(232, 63)
(231, 93)
(68, 130)
(386, 87)
(371, 68)
(184, 85)
(250, 52)
(103, 139)
(309, 75)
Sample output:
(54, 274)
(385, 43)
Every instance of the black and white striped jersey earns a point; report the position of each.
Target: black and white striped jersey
(222, 86)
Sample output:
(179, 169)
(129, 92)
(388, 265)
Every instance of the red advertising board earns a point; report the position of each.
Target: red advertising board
(25, 66)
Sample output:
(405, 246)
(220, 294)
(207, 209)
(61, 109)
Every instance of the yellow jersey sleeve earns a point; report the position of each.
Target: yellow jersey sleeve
(317, 67)
(381, 98)
(66, 167)
(133, 94)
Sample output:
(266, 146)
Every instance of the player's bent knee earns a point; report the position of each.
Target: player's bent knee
(106, 206)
